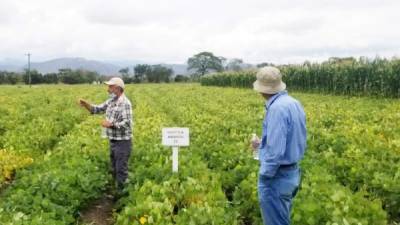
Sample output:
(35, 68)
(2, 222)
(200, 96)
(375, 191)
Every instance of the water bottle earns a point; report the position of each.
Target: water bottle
(255, 151)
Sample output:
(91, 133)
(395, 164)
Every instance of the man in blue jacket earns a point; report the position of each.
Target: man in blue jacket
(282, 146)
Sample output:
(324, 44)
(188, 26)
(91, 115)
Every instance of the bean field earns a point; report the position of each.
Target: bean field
(54, 163)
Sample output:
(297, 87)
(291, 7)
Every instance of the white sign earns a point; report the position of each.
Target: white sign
(175, 136)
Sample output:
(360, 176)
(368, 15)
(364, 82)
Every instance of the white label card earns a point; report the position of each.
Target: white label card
(175, 136)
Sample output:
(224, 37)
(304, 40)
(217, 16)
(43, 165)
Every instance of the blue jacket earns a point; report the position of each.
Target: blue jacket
(284, 133)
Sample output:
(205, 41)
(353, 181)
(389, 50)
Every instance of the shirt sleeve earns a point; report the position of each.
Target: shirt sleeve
(126, 118)
(276, 135)
(96, 109)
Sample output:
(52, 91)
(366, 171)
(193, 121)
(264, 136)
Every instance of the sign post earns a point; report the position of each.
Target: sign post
(175, 151)
(175, 137)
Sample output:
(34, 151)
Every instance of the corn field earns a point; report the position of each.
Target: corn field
(377, 77)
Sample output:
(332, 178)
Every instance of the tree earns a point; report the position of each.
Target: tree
(65, 76)
(3, 77)
(89, 76)
(13, 78)
(50, 78)
(181, 78)
(140, 71)
(204, 62)
(36, 77)
(224, 61)
(234, 64)
(124, 71)
(159, 73)
(264, 64)
(125, 75)
(69, 76)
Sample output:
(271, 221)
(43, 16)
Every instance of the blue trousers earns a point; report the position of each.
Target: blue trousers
(276, 194)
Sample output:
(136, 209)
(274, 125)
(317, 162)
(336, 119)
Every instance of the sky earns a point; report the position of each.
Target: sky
(171, 31)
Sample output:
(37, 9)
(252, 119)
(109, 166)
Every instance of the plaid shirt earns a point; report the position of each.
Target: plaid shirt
(119, 113)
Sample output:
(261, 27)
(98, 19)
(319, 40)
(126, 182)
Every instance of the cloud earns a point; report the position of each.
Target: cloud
(171, 31)
(7, 10)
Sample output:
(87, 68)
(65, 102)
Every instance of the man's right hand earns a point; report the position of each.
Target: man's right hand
(85, 104)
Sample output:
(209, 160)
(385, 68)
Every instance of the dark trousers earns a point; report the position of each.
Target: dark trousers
(120, 151)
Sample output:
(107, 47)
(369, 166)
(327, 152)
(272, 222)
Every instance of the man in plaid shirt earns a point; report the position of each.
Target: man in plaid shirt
(118, 127)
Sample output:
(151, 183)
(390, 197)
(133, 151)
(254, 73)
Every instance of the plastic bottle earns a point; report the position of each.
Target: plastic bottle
(255, 151)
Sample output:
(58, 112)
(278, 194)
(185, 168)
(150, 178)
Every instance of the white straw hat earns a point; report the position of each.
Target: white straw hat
(116, 81)
(269, 81)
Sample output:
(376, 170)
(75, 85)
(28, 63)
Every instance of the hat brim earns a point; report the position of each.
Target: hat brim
(111, 83)
(268, 89)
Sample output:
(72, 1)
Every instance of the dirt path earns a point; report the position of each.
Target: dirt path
(99, 212)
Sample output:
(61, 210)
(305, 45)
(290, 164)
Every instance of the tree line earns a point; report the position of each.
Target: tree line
(197, 66)
(66, 76)
(150, 73)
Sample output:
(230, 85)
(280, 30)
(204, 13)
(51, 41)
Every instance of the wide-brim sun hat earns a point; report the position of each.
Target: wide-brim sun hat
(269, 80)
(116, 81)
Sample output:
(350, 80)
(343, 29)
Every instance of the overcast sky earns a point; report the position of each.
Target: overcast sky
(170, 31)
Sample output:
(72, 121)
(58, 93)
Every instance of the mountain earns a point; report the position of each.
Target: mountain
(125, 63)
(13, 65)
(10, 68)
(52, 66)
(102, 67)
